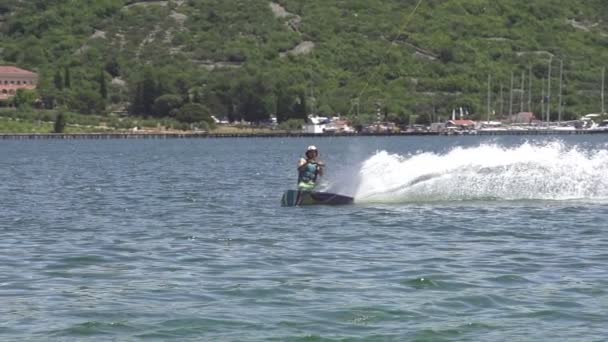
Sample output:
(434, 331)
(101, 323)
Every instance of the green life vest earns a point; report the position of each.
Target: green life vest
(308, 174)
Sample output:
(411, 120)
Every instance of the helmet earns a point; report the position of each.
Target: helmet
(311, 148)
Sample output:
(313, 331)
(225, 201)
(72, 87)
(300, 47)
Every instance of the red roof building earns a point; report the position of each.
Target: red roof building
(13, 79)
(461, 123)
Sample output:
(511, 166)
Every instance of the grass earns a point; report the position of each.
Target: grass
(42, 121)
(244, 130)
(9, 125)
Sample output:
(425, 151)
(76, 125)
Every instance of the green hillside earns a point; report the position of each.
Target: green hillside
(243, 58)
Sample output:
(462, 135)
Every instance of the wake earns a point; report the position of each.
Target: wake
(549, 171)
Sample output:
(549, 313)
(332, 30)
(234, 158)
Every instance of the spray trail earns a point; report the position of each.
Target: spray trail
(548, 171)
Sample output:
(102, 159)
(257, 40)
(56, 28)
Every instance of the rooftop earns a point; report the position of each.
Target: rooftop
(15, 70)
(462, 122)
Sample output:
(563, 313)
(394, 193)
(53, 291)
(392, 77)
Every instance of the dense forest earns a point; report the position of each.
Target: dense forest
(245, 59)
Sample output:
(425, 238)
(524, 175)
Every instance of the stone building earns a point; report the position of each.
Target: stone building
(13, 79)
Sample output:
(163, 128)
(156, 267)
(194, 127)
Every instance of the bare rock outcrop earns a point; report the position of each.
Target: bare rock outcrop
(303, 48)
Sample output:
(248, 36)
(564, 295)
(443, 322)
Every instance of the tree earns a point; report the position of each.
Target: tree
(33, 55)
(86, 101)
(145, 93)
(182, 88)
(25, 98)
(446, 55)
(165, 104)
(58, 80)
(49, 98)
(60, 123)
(215, 103)
(223, 91)
(103, 88)
(112, 67)
(299, 108)
(149, 92)
(284, 103)
(137, 101)
(194, 112)
(250, 96)
(5, 7)
(67, 78)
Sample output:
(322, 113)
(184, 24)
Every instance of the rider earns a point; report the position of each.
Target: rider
(309, 169)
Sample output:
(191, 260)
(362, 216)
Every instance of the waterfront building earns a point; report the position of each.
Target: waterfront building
(13, 79)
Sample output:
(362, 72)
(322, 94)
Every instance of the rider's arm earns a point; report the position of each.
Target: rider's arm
(302, 163)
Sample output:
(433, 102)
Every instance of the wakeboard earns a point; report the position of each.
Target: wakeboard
(292, 198)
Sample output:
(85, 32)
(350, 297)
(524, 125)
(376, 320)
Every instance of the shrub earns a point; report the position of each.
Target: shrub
(60, 123)
(291, 125)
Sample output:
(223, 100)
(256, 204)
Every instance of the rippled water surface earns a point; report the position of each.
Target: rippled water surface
(450, 239)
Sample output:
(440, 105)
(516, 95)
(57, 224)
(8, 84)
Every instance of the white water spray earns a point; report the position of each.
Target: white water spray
(549, 171)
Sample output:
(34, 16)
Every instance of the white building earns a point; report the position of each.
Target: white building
(321, 124)
(316, 125)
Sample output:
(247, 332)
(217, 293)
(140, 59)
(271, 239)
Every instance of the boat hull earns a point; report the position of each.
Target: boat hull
(292, 198)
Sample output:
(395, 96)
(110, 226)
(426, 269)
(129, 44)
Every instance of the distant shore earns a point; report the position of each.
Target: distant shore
(186, 135)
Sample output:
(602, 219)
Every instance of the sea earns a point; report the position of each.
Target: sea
(450, 239)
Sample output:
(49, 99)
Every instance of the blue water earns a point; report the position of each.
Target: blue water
(451, 239)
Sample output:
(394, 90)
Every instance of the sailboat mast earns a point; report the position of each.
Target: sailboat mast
(603, 79)
(561, 80)
(489, 95)
(511, 97)
(542, 101)
(549, 91)
(529, 88)
(502, 100)
(521, 94)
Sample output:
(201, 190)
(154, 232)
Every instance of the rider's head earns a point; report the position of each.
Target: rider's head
(312, 151)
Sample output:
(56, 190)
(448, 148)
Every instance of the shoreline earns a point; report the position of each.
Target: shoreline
(190, 135)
